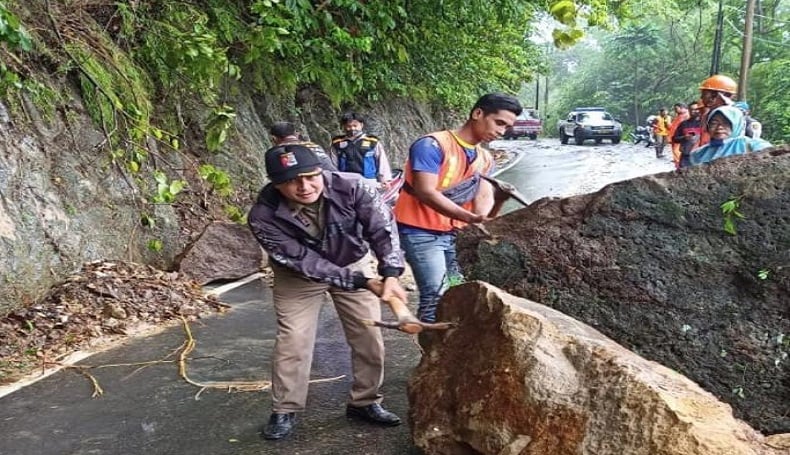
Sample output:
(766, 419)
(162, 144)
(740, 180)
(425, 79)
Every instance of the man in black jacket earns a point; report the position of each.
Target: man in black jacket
(316, 227)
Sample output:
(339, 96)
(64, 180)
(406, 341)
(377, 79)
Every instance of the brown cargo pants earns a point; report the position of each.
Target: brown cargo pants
(297, 302)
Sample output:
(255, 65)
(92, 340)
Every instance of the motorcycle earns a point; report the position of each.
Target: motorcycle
(642, 133)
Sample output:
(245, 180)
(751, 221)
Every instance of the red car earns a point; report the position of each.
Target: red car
(527, 124)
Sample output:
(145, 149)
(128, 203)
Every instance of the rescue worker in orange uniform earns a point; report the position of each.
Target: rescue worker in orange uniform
(444, 191)
(661, 130)
(715, 91)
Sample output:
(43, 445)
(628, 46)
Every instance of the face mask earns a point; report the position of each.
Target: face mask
(353, 131)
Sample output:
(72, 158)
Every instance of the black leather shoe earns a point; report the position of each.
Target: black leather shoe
(279, 426)
(373, 413)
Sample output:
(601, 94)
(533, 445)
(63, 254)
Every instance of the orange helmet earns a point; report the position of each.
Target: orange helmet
(719, 83)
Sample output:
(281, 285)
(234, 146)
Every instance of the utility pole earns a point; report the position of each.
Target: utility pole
(546, 97)
(537, 90)
(746, 54)
(714, 62)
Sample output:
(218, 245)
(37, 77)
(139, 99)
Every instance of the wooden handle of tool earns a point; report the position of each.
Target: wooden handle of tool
(406, 321)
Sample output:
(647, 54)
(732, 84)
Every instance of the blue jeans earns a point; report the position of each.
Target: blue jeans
(433, 263)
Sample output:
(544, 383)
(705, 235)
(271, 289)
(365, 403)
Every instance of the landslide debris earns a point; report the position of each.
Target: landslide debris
(102, 300)
(689, 269)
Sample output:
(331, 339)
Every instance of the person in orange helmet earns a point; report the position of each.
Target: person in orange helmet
(715, 91)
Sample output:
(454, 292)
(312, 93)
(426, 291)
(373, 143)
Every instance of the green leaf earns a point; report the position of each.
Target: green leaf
(564, 11)
(763, 274)
(147, 220)
(155, 245)
(160, 177)
(176, 186)
(205, 170)
(729, 226)
(729, 206)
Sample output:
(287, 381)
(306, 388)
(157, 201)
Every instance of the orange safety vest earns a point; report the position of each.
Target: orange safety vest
(661, 126)
(454, 170)
(675, 123)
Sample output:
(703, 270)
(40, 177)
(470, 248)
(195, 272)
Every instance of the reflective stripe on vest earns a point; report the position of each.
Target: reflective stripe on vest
(358, 156)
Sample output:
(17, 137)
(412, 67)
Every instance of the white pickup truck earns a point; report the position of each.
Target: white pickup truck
(585, 123)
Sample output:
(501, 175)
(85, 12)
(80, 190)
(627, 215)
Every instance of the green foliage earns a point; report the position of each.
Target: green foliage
(155, 245)
(117, 95)
(182, 46)
(455, 280)
(763, 274)
(219, 179)
(729, 209)
(16, 38)
(771, 99)
(662, 51)
(147, 220)
(166, 191)
(8, 79)
(218, 127)
(236, 214)
(449, 51)
(11, 31)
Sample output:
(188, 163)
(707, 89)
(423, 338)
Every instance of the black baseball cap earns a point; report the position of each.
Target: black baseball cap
(291, 161)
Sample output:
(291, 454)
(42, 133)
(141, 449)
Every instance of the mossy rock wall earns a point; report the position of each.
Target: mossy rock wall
(64, 201)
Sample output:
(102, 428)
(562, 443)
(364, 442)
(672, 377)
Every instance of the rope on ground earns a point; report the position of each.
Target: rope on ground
(187, 346)
(230, 386)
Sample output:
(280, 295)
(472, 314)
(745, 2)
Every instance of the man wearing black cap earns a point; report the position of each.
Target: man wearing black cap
(316, 227)
(284, 133)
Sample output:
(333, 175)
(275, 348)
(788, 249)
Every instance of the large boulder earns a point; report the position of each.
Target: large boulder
(650, 263)
(224, 251)
(517, 377)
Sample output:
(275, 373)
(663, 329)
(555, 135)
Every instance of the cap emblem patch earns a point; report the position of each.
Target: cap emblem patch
(288, 159)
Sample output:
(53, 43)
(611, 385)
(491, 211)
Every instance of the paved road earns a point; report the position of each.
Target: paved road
(549, 168)
(152, 411)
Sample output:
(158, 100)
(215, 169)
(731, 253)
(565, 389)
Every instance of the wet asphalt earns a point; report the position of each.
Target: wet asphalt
(548, 168)
(151, 410)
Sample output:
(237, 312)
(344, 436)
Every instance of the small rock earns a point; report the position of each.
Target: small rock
(114, 310)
